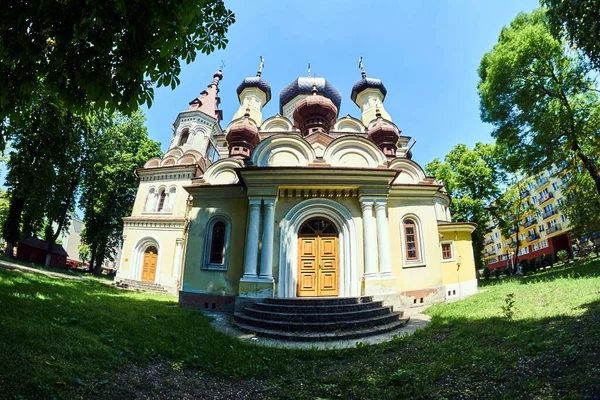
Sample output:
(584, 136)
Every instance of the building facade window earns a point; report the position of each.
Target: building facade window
(216, 247)
(150, 200)
(447, 251)
(498, 246)
(162, 195)
(412, 240)
(563, 218)
(185, 135)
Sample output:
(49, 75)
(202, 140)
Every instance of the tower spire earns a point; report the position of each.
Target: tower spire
(208, 101)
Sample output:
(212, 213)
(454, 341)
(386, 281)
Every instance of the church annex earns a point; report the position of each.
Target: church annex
(305, 203)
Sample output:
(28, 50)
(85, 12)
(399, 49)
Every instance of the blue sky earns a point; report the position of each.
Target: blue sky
(426, 52)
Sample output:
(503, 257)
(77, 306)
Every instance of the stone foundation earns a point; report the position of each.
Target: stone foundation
(205, 301)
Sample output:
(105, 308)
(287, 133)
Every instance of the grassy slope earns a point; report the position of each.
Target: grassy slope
(71, 338)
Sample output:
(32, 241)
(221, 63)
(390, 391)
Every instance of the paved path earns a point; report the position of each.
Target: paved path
(418, 320)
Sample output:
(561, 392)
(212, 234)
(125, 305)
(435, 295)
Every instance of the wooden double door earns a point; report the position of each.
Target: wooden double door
(318, 266)
(149, 266)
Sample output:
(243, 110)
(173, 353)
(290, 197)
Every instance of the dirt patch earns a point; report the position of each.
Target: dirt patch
(164, 381)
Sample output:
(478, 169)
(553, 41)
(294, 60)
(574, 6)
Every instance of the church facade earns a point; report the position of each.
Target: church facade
(301, 204)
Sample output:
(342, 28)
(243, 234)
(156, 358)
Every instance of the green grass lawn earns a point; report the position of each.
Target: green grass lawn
(81, 339)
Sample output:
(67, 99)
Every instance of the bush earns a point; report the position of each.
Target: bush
(508, 271)
(563, 255)
(549, 260)
(534, 265)
(524, 266)
(497, 272)
(487, 273)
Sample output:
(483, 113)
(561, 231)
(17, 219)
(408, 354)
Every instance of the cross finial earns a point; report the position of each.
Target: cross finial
(261, 66)
(222, 65)
(362, 68)
(309, 69)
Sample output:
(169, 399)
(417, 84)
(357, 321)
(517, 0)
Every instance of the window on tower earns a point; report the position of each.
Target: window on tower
(184, 137)
(161, 199)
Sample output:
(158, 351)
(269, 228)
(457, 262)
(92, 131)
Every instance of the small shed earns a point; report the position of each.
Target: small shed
(34, 251)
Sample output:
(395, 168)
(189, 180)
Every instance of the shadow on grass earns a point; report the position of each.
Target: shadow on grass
(79, 339)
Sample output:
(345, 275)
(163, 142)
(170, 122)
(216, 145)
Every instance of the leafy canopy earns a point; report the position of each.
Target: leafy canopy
(102, 52)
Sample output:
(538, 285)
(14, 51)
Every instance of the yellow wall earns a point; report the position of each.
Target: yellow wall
(462, 268)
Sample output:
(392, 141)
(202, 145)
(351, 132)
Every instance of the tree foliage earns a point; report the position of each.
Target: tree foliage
(109, 183)
(581, 204)
(472, 178)
(578, 21)
(102, 52)
(540, 98)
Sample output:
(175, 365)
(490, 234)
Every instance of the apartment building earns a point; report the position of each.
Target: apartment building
(543, 231)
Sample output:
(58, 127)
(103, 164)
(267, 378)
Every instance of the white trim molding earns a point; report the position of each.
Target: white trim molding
(349, 284)
(421, 262)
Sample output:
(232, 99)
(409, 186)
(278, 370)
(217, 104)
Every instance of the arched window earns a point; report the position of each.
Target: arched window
(184, 137)
(171, 199)
(217, 243)
(412, 246)
(412, 240)
(150, 200)
(161, 199)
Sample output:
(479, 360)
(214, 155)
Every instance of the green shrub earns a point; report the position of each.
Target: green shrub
(534, 265)
(563, 255)
(487, 273)
(497, 272)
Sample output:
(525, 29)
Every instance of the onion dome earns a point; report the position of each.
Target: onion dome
(255, 82)
(385, 135)
(367, 83)
(314, 113)
(303, 86)
(242, 138)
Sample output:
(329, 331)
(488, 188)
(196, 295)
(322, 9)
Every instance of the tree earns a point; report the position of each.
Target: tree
(581, 204)
(472, 179)
(540, 98)
(509, 210)
(109, 183)
(102, 52)
(577, 22)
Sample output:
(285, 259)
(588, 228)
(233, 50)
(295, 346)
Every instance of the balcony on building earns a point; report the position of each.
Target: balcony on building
(553, 229)
(488, 241)
(550, 213)
(512, 231)
(489, 253)
(527, 224)
(541, 182)
(533, 237)
(544, 198)
(562, 166)
(524, 194)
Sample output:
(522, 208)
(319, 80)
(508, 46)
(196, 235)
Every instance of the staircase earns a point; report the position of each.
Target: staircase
(319, 319)
(139, 286)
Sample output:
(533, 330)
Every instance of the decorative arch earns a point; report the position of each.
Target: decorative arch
(276, 123)
(150, 203)
(169, 160)
(411, 171)
(354, 151)
(137, 259)
(173, 152)
(283, 149)
(407, 260)
(184, 137)
(152, 163)
(223, 172)
(288, 245)
(171, 193)
(349, 124)
(186, 159)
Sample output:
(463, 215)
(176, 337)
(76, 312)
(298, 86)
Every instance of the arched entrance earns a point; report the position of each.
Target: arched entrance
(318, 254)
(149, 265)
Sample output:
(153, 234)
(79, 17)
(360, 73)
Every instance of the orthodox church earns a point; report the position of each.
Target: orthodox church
(305, 203)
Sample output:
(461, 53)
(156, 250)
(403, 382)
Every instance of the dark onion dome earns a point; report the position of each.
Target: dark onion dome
(314, 113)
(385, 135)
(257, 82)
(304, 85)
(242, 138)
(367, 83)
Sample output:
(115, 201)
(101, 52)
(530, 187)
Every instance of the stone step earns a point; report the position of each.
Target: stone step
(324, 336)
(139, 283)
(141, 286)
(301, 309)
(318, 301)
(310, 327)
(318, 315)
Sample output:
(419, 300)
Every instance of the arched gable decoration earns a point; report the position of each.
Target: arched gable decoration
(353, 151)
(276, 123)
(411, 171)
(169, 160)
(223, 172)
(173, 152)
(349, 124)
(339, 215)
(283, 150)
(152, 163)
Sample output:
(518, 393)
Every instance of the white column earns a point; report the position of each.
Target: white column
(178, 261)
(266, 255)
(251, 259)
(369, 239)
(383, 238)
